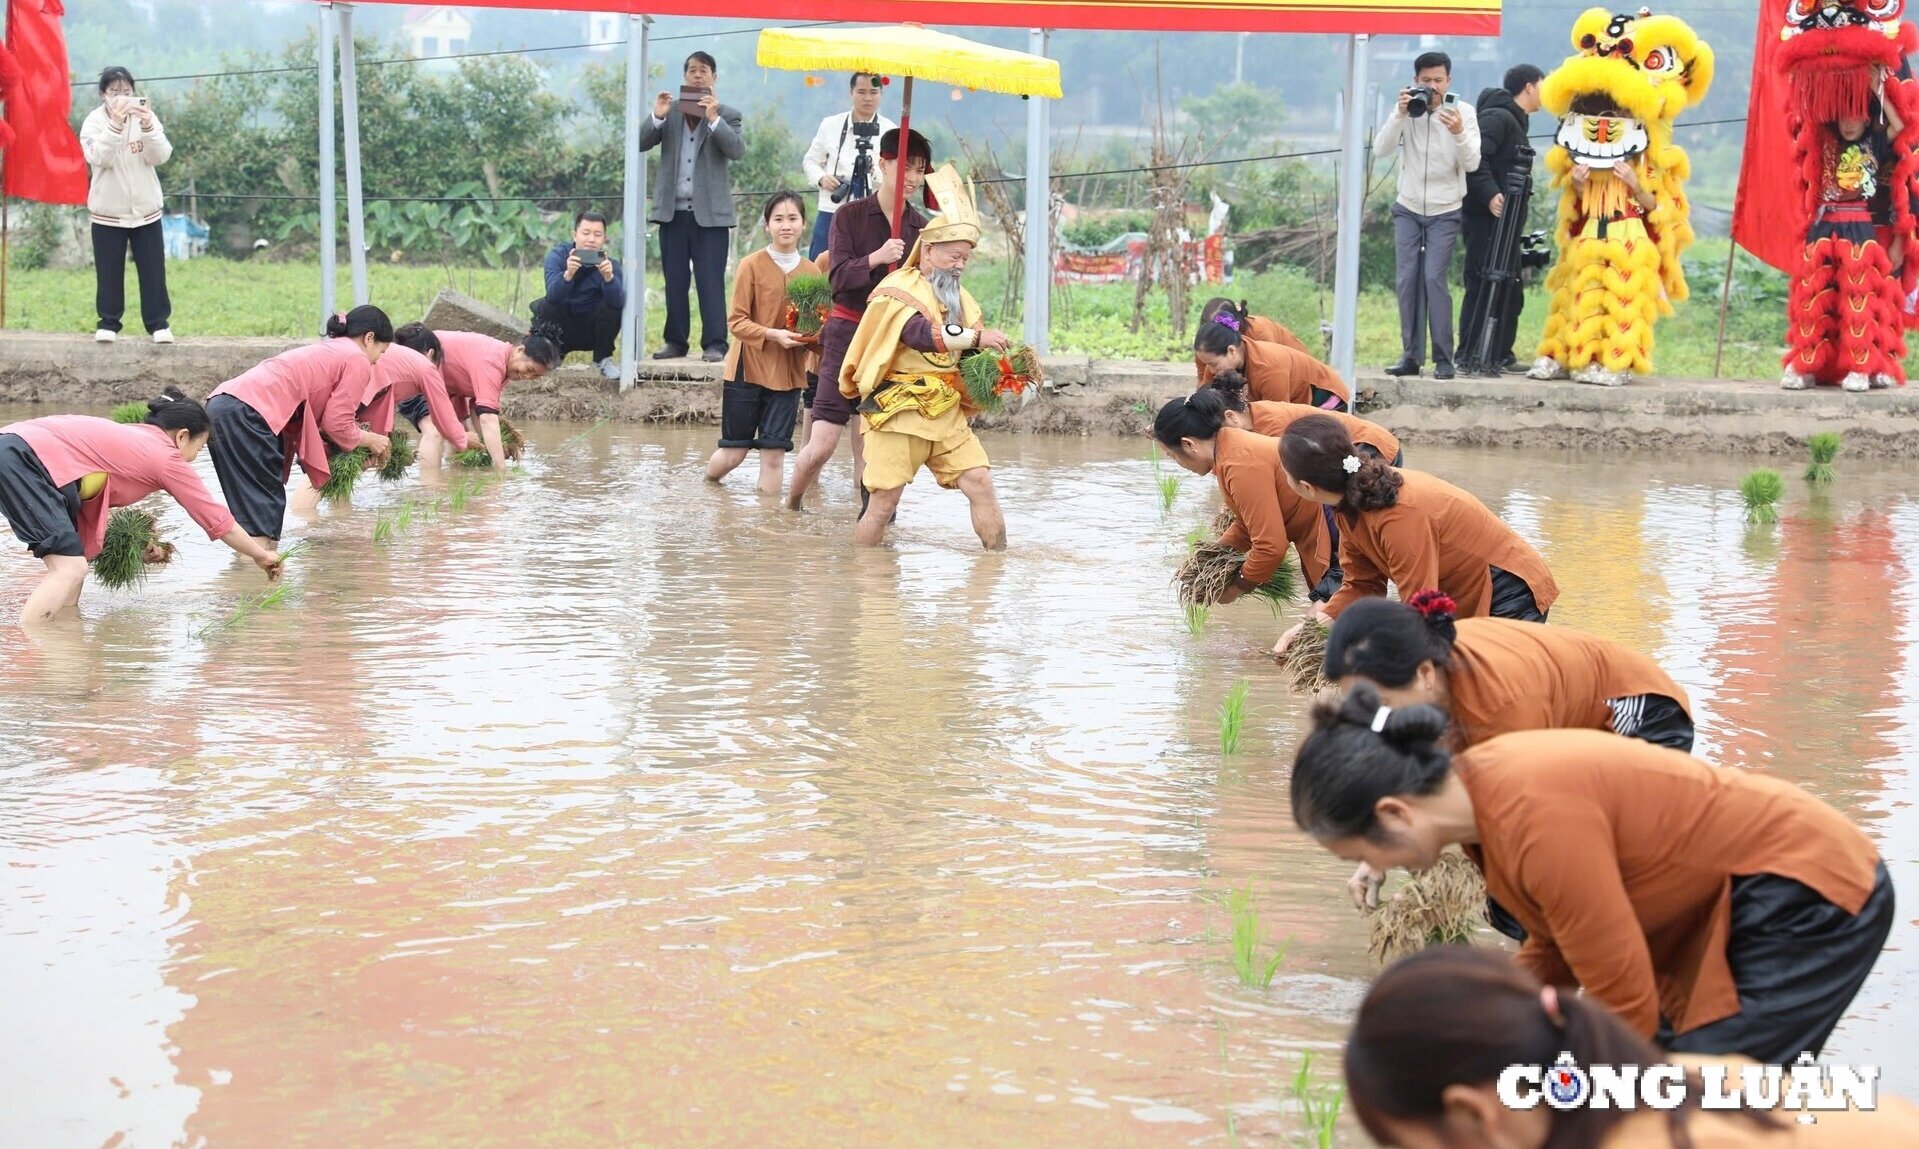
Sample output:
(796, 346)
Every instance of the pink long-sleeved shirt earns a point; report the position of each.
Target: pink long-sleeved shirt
(474, 368)
(309, 396)
(401, 374)
(137, 461)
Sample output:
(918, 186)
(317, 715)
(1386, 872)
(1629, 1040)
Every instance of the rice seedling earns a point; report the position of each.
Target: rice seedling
(1443, 906)
(1232, 715)
(1305, 660)
(344, 471)
(1255, 972)
(1166, 481)
(989, 377)
(399, 458)
(1319, 1103)
(1824, 447)
(383, 527)
(1195, 613)
(808, 298)
(1762, 490)
(512, 445)
(1195, 535)
(1212, 567)
(134, 412)
(459, 493)
(132, 544)
(247, 607)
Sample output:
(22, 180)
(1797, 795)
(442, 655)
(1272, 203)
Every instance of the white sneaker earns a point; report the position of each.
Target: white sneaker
(1883, 382)
(164, 335)
(105, 336)
(610, 368)
(1598, 376)
(1856, 382)
(1546, 367)
(1794, 381)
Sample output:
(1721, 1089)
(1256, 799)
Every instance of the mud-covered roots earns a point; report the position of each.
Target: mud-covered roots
(1305, 660)
(1446, 905)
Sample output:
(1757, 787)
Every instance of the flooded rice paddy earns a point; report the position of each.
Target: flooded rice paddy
(614, 808)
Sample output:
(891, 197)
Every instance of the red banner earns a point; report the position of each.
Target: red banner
(1767, 219)
(1378, 17)
(45, 162)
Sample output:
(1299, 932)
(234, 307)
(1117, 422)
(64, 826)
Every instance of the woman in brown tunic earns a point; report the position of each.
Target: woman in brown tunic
(1439, 1029)
(1273, 372)
(1420, 532)
(1271, 419)
(1258, 327)
(1718, 911)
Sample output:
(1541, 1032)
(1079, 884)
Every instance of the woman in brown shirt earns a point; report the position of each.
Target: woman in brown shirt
(1273, 372)
(1418, 531)
(1267, 515)
(1257, 327)
(1271, 419)
(1439, 1029)
(1719, 911)
(766, 369)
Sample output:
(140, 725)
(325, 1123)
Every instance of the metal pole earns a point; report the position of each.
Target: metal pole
(633, 219)
(328, 288)
(1725, 300)
(350, 111)
(1039, 212)
(1352, 206)
(1239, 60)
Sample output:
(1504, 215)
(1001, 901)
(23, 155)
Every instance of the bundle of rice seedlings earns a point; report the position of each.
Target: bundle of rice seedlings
(1212, 567)
(399, 458)
(134, 412)
(345, 470)
(1224, 521)
(1443, 906)
(512, 443)
(808, 298)
(989, 377)
(1305, 660)
(1762, 490)
(132, 544)
(1825, 448)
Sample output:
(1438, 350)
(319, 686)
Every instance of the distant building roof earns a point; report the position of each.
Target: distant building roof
(419, 14)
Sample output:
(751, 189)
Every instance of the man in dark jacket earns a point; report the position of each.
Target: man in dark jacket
(1503, 115)
(585, 293)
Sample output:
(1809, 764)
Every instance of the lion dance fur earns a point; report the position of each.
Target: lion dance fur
(1619, 266)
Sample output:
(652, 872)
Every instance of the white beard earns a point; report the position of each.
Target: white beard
(946, 288)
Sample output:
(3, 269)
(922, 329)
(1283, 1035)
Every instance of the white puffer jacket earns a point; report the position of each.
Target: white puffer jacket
(126, 189)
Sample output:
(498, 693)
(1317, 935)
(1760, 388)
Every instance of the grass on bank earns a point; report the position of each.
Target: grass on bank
(227, 297)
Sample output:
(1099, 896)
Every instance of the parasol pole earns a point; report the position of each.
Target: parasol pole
(903, 158)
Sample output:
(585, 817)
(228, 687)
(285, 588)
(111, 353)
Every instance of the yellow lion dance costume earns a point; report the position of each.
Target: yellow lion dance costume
(1623, 216)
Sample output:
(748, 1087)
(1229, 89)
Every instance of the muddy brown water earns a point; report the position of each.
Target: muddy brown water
(614, 808)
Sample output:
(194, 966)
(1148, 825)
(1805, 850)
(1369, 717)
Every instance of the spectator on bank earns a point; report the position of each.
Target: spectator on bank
(124, 142)
(1503, 115)
(585, 293)
(699, 138)
(1437, 149)
(829, 163)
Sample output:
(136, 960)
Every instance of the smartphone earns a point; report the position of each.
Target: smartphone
(1451, 99)
(690, 100)
(589, 257)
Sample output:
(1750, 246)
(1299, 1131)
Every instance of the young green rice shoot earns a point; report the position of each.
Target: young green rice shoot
(344, 471)
(1232, 715)
(1824, 446)
(1762, 490)
(399, 458)
(134, 412)
(273, 596)
(1195, 613)
(1319, 1103)
(122, 561)
(1255, 972)
(1168, 483)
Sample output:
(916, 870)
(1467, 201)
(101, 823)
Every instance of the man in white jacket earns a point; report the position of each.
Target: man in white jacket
(830, 159)
(124, 142)
(1436, 150)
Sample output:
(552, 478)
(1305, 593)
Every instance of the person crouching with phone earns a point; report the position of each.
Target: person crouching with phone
(1437, 137)
(124, 142)
(585, 293)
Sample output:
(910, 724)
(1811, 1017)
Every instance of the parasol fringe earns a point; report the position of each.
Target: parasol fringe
(909, 51)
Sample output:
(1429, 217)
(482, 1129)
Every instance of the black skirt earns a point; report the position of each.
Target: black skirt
(251, 463)
(43, 516)
(1513, 599)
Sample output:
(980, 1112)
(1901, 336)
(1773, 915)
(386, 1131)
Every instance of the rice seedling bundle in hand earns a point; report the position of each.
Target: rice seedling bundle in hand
(345, 470)
(134, 412)
(132, 544)
(1443, 906)
(991, 376)
(1213, 566)
(1824, 447)
(512, 443)
(808, 299)
(1305, 660)
(1762, 490)
(399, 458)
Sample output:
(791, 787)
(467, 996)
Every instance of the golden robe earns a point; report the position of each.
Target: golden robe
(877, 357)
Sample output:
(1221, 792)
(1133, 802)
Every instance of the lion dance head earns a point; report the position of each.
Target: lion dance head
(1830, 48)
(1632, 76)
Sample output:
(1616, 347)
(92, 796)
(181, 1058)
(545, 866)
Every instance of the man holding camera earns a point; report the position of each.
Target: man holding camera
(840, 160)
(585, 293)
(699, 138)
(1437, 137)
(1503, 115)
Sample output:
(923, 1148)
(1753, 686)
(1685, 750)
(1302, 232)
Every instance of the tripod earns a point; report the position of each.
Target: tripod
(1481, 348)
(860, 184)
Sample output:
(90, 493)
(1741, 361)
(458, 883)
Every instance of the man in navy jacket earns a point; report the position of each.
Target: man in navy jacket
(585, 293)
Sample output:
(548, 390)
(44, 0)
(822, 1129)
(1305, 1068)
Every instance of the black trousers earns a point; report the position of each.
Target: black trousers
(1513, 599)
(110, 246)
(1477, 233)
(594, 331)
(693, 255)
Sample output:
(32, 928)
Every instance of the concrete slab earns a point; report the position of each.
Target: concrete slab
(452, 311)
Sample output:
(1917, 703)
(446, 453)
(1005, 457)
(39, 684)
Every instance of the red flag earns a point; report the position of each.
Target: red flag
(1767, 217)
(45, 162)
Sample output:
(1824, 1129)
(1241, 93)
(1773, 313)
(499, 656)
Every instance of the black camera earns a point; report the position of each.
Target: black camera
(860, 184)
(1535, 250)
(867, 131)
(589, 257)
(1419, 101)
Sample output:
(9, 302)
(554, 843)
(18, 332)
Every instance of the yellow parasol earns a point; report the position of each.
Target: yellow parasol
(909, 51)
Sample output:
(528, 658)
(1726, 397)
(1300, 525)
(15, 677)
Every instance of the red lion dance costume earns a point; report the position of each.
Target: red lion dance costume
(1847, 315)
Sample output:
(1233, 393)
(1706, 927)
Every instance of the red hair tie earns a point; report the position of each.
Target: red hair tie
(1432, 603)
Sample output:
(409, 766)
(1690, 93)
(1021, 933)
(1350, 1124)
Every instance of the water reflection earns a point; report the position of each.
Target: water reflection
(612, 806)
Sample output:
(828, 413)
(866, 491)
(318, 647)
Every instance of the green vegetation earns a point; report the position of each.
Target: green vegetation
(131, 544)
(1232, 715)
(1195, 614)
(1167, 481)
(266, 600)
(1824, 447)
(1255, 972)
(399, 458)
(343, 474)
(1762, 490)
(133, 413)
(1319, 1103)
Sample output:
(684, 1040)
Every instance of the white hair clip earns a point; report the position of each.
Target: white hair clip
(1379, 719)
(1351, 464)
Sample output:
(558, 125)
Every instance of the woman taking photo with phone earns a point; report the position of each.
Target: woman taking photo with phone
(124, 142)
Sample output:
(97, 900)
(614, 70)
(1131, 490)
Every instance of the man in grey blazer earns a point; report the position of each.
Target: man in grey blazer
(693, 204)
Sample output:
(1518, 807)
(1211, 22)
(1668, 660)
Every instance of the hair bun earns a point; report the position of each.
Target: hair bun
(335, 326)
(1434, 604)
(546, 329)
(1411, 725)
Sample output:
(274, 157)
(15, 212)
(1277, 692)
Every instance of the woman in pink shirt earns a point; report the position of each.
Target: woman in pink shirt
(299, 404)
(59, 476)
(477, 369)
(407, 379)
